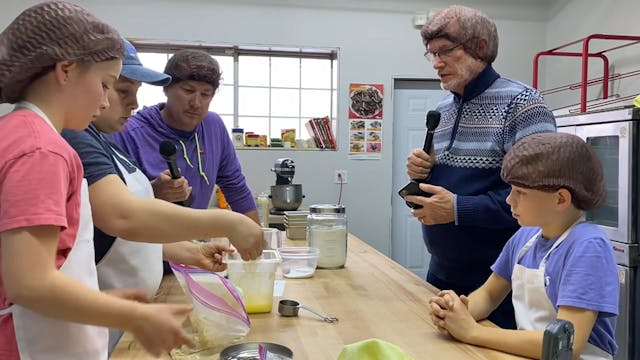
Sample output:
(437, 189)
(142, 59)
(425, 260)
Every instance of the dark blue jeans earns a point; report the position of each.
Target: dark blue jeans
(502, 316)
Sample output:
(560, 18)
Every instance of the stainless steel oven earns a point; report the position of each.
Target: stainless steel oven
(614, 136)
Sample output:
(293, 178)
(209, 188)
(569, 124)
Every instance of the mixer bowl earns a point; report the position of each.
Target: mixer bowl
(286, 197)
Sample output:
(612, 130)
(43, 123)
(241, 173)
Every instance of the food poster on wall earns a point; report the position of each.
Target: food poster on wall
(365, 121)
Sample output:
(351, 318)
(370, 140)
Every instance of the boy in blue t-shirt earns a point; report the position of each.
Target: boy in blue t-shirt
(557, 265)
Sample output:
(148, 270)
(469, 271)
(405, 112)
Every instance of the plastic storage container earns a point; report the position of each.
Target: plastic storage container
(327, 231)
(255, 279)
(298, 262)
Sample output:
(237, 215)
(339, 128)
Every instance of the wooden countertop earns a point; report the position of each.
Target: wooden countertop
(373, 296)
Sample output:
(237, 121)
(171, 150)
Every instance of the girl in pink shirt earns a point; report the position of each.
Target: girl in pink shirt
(57, 62)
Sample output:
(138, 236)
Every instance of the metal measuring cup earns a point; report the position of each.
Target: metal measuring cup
(291, 308)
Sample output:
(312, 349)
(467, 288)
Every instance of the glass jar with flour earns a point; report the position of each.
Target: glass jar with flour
(327, 231)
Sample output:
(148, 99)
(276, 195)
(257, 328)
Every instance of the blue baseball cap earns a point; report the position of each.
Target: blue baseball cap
(133, 69)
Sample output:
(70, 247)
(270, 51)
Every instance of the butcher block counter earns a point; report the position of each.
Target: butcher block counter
(373, 297)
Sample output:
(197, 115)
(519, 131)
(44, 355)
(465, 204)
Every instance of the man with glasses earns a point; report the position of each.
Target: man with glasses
(466, 221)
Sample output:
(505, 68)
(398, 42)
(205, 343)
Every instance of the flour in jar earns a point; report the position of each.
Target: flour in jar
(332, 243)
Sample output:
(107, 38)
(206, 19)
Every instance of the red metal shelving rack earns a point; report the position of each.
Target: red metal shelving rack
(585, 55)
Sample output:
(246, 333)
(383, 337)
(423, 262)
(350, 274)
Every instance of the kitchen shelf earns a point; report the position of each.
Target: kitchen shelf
(585, 54)
(252, 148)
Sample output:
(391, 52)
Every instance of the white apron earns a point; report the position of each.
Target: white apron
(533, 308)
(43, 338)
(130, 264)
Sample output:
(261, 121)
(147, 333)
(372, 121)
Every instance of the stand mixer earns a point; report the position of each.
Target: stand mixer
(285, 196)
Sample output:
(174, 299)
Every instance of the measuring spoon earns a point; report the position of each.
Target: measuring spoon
(291, 308)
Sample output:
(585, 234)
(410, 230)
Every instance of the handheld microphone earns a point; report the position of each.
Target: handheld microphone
(433, 120)
(413, 187)
(168, 152)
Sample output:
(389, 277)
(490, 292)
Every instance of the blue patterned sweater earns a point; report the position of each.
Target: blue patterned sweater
(475, 132)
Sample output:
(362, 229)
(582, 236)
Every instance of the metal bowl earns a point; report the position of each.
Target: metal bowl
(249, 351)
(286, 197)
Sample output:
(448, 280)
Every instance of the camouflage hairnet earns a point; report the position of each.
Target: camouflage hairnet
(194, 65)
(47, 33)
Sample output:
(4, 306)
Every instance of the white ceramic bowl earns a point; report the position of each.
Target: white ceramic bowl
(298, 262)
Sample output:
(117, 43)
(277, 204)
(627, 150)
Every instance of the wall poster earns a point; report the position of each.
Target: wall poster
(365, 120)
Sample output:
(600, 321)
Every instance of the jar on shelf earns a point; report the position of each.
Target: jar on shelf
(237, 135)
(327, 231)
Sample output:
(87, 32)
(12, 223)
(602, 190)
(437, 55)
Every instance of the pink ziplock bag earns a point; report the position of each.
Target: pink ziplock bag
(219, 317)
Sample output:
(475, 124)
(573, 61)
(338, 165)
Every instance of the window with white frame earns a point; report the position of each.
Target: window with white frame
(263, 90)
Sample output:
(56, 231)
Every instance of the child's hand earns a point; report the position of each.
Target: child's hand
(158, 327)
(437, 311)
(207, 256)
(458, 321)
(465, 301)
(210, 256)
(247, 238)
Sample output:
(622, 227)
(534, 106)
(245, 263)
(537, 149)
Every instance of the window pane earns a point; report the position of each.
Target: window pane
(222, 102)
(253, 70)
(285, 72)
(253, 101)
(155, 61)
(335, 74)
(226, 65)
(285, 102)
(316, 103)
(334, 104)
(256, 125)
(227, 119)
(316, 73)
(304, 134)
(277, 124)
(149, 95)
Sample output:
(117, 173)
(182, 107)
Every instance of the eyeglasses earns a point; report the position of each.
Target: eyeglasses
(443, 53)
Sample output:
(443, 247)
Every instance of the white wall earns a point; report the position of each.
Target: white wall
(374, 47)
(576, 19)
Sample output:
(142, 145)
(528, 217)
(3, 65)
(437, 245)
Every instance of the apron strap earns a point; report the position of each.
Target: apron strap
(529, 243)
(543, 263)
(527, 246)
(7, 311)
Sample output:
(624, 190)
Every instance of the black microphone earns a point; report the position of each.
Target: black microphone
(433, 120)
(413, 187)
(168, 151)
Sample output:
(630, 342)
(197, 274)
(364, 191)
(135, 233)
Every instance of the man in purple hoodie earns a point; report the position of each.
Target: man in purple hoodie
(206, 155)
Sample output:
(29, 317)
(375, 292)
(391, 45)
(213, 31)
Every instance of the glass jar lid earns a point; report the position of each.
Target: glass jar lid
(327, 209)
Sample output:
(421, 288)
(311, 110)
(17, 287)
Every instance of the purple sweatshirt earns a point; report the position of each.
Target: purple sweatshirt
(141, 139)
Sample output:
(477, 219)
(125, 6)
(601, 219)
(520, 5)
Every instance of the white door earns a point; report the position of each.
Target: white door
(412, 99)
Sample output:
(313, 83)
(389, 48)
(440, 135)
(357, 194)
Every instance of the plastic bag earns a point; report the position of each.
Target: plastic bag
(219, 317)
